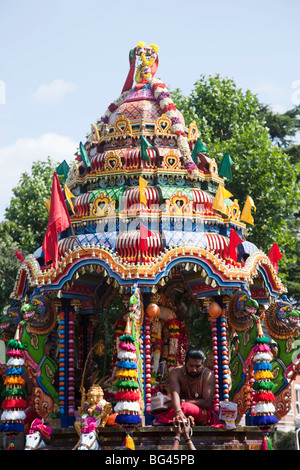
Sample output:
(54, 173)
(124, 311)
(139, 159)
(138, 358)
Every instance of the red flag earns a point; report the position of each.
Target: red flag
(59, 220)
(19, 256)
(129, 80)
(235, 240)
(274, 256)
(144, 234)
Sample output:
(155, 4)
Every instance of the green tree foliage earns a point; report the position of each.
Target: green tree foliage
(284, 441)
(8, 264)
(27, 211)
(283, 129)
(25, 225)
(233, 121)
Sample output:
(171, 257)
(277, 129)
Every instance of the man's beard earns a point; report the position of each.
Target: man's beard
(193, 374)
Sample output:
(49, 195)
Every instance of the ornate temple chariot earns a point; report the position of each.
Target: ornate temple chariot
(154, 241)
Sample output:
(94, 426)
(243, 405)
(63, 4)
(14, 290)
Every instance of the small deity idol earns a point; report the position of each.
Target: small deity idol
(93, 408)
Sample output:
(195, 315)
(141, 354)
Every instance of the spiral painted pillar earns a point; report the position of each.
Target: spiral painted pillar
(220, 357)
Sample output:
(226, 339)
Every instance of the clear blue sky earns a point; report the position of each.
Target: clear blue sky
(63, 62)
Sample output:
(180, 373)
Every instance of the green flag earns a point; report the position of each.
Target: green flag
(63, 169)
(198, 148)
(225, 166)
(144, 146)
(84, 155)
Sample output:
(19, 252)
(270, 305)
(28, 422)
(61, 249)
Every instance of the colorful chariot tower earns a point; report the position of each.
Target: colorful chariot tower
(150, 217)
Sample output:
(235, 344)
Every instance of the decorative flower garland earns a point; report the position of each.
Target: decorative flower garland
(183, 343)
(165, 101)
(144, 70)
(157, 342)
(174, 335)
(110, 110)
(96, 413)
(168, 108)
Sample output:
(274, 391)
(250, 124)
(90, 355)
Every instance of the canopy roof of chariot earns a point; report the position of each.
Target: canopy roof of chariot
(147, 197)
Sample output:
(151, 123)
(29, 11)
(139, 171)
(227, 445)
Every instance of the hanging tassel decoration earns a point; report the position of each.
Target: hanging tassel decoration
(266, 442)
(129, 442)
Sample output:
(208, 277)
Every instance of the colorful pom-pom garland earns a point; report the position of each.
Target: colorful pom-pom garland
(127, 406)
(263, 410)
(14, 402)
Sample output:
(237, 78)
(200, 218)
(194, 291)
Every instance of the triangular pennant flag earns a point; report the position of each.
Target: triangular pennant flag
(84, 155)
(219, 201)
(142, 185)
(69, 196)
(144, 234)
(246, 213)
(63, 169)
(59, 221)
(144, 146)
(198, 148)
(274, 256)
(235, 240)
(225, 166)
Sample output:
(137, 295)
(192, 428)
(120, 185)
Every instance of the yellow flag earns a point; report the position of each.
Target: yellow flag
(69, 195)
(142, 184)
(246, 213)
(219, 201)
(47, 205)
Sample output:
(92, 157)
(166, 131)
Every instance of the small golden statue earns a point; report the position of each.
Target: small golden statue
(93, 408)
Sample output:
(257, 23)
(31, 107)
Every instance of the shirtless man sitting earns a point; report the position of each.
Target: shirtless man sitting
(192, 388)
